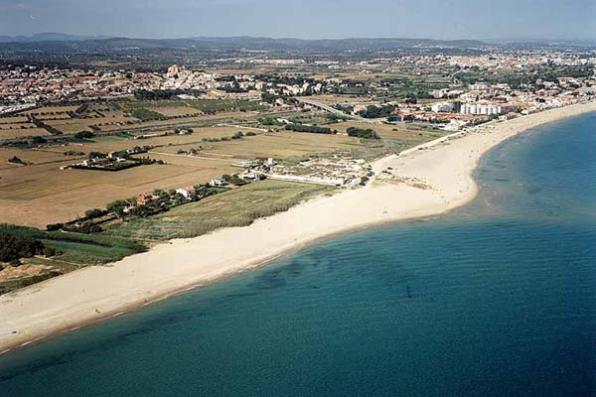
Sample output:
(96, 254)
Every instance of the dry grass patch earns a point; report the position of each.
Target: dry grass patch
(238, 207)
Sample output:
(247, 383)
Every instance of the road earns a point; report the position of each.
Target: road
(333, 110)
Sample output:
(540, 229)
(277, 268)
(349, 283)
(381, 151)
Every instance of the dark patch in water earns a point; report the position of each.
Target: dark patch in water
(271, 279)
(533, 189)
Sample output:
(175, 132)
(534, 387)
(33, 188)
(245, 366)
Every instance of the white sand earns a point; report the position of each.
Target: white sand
(444, 172)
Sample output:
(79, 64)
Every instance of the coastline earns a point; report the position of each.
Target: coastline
(425, 182)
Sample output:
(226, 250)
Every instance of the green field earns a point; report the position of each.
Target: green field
(146, 115)
(238, 207)
(83, 249)
(74, 250)
(203, 105)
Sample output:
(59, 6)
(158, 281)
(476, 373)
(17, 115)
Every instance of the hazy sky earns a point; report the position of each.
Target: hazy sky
(304, 18)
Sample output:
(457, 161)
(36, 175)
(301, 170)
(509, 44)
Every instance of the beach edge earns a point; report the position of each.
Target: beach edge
(78, 299)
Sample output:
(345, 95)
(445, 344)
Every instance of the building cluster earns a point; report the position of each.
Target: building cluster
(520, 59)
(481, 101)
(30, 84)
(339, 171)
(485, 99)
(115, 161)
(24, 86)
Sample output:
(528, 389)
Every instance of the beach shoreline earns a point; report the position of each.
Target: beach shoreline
(426, 182)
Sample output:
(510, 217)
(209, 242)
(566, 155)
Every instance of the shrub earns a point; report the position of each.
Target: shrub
(16, 160)
(54, 226)
(73, 153)
(309, 128)
(84, 135)
(362, 133)
(38, 140)
(95, 213)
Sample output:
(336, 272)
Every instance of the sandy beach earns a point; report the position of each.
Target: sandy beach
(426, 181)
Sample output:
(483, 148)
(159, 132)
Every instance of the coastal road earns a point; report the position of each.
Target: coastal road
(333, 110)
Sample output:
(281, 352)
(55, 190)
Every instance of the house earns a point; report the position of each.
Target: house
(146, 198)
(217, 182)
(253, 176)
(185, 192)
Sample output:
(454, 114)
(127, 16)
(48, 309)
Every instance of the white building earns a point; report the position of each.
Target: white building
(186, 193)
(443, 107)
(485, 109)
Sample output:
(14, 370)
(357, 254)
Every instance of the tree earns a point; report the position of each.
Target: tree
(94, 213)
(15, 247)
(362, 133)
(309, 128)
(117, 207)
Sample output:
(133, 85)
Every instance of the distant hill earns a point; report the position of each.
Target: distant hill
(44, 37)
(40, 41)
(82, 43)
(61, 49)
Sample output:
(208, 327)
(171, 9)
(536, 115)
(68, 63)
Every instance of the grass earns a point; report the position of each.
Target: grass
(204, 105)
(11, 285)
(238, 207)
(146, 114)
(394, 137)
(111, 138)
(224, 105)
(75, 250)
(84, 249)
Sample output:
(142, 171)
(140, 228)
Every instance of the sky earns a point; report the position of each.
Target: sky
(310, 19)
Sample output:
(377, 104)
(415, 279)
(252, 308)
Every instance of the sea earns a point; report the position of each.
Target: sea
(497, 298)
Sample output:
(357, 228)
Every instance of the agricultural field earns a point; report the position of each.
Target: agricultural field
(176, 111)
(282, 145)
(29, 157)
(342, 99)
(12, 119)
(177, 122)
(40, 194)
(126, 116)
(201, 105)
(19, 126)
(144, 114)
(74, 125)
(21, 131)
(112, 143)
(37, 188)
(50, 110)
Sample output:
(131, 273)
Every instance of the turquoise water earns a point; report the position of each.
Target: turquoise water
(495, 299)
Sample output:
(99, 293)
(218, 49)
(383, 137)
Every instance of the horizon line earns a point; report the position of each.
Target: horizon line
(190, 37)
